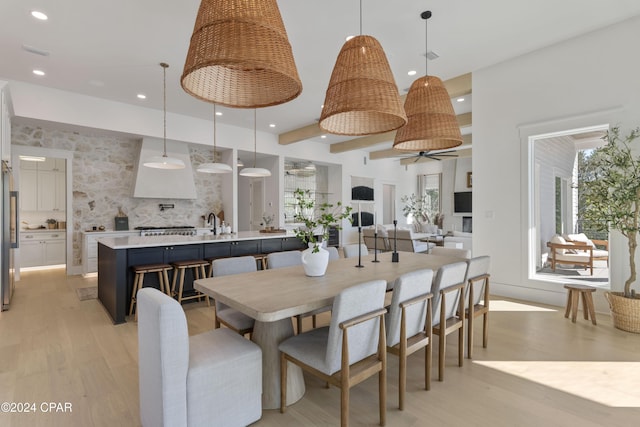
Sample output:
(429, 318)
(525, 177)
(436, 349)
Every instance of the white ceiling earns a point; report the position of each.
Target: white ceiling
(111, 49)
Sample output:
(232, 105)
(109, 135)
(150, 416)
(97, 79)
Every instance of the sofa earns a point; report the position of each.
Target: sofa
(458, 237)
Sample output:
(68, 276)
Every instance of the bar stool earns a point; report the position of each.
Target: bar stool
(587, 302)
(198, 266)
(138, 281)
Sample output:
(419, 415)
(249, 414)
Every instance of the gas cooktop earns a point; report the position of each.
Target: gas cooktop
(179, 230)
(174, 227)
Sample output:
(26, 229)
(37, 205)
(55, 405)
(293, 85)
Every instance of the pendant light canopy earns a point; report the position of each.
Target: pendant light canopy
(164, 161)
(255, 172)
(214, 167)
(240, 56)
(362, 97)
(432, 121)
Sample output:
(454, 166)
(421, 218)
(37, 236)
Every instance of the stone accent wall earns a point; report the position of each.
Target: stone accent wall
(103, 178)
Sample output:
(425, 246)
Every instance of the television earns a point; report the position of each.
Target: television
(462, 202)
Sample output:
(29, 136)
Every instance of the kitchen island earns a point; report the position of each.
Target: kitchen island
(116, 256)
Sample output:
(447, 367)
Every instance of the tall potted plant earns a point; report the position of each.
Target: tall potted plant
(316, 222)
(418, 208)
(612, 201)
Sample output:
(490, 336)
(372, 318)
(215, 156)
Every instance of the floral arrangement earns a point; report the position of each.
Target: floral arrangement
(267, 219)
(325, 215)
(417, 207)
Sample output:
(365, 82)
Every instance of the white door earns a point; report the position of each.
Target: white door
(388, 203)
(257, 203)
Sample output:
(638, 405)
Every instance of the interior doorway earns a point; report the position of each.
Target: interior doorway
(388, 203)
(256, 189)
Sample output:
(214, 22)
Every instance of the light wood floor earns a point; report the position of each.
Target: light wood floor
(539, 369)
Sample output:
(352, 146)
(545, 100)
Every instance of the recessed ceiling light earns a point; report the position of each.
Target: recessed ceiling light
(323, 136)
(412, 72)
(39, 15)
(272, 125)
(141, 96)
(218, 113)
(38, 72)
(460, 99)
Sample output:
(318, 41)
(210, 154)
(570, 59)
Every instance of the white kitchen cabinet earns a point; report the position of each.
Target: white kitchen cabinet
(90, 247)
(43, 185)
(42, 248)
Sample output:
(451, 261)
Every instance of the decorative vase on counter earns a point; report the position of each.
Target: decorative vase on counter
(315, 263)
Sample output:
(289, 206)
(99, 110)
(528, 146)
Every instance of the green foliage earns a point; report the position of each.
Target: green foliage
(417, 207)
(324, 216)
(610, 190)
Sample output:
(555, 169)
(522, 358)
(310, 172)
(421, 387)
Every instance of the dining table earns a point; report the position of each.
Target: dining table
(273, 296)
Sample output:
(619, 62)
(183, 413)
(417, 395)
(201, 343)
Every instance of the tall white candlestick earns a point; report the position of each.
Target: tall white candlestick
(359, 215)
(375, 217)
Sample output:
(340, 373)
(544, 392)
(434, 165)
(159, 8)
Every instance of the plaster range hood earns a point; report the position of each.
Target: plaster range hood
(164, 183)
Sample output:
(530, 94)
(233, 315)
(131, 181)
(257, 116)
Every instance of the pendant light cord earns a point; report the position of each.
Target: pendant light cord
(164, 106)
(214, 133)
(255, 137)
(426, 15)
(360, 17)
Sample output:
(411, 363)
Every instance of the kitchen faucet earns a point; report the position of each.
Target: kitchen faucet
(212, 222)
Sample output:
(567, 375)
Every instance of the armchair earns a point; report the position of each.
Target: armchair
(576, 252)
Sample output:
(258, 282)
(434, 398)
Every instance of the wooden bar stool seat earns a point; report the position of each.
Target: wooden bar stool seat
(198, 266)
(587, 302)
(138, 281)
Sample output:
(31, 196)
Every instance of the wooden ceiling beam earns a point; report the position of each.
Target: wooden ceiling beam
(456, 87)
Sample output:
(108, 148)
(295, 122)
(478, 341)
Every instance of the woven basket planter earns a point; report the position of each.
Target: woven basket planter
(625, 311)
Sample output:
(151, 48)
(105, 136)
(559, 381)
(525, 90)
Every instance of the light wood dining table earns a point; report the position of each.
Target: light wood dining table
(272, 297)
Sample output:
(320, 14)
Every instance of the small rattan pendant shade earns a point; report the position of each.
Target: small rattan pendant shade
(362, 97)
(240, 56)
(432, 122)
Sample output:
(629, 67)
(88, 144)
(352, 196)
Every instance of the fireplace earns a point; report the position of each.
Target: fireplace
(467, 224)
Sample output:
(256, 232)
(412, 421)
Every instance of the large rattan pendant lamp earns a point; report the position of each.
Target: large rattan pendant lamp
(432, 122)
(255, 172)
(164, 161)
(362, 97)
(214, 167)
(240, 56)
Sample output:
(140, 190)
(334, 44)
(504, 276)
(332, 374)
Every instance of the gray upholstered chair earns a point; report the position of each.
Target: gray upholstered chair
(351, 251)
(477, 301)
(409, 324)
(333, 253)
(284, 259)
(213, 378)
(458, 253)
(355, 336)
(225, 315)
(448, 309)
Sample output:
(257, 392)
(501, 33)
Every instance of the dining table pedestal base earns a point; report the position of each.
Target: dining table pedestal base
(268, 335)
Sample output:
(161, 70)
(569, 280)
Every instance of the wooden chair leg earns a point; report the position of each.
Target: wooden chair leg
(344, 406)
(461, 344)
(165, 275)
(485, 329)
(283, 384)
(182, 270)
(470, 333)
(402, 375)
(568, 310)
(299, 324)
(574, 306)
(441, 355)
(136, 280)
(382, 390)
(592, 310)
(428, 358)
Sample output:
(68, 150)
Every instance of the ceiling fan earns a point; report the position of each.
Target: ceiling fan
(432, 154)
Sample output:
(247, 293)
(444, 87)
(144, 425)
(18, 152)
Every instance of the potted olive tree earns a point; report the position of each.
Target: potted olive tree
(316, 222)
(611, 194)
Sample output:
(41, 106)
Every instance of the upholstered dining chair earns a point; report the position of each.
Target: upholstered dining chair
(225, 315)
(448, 309)
(477, 301)
(213, 378)
(351, 349)
(409, 324)
(333, 253)
(456, 252)
(351, 251)
(284, 259)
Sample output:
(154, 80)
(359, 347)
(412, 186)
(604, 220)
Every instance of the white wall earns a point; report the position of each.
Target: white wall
(585, 81)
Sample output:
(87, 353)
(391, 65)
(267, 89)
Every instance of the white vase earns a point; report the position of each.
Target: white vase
(315, 263)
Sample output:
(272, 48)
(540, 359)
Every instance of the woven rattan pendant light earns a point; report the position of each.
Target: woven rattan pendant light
(164, 161)
(240, 56)
(432, 122)
(362, 97)
(214, 167)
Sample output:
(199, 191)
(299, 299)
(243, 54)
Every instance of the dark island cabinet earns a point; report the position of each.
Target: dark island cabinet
(246, 247)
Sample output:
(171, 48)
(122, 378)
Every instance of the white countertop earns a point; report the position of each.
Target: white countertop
(128, 242)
